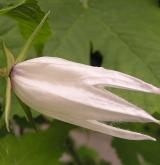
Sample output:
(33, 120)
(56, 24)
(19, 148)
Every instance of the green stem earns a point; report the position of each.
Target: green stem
(23, 54)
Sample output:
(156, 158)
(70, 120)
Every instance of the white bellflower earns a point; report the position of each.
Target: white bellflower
(74, 93)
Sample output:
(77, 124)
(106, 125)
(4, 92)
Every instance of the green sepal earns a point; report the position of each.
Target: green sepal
(9, 59)
(23, 54)
(8, 103)
(28, 114)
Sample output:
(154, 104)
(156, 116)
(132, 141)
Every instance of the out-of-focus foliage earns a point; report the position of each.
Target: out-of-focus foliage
(137, 153)
(125, 32)
(43, 147)
(28, 15)
(88, 157)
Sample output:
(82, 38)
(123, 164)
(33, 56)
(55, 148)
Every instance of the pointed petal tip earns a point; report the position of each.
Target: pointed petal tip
(150, 138)
(151, 119)
(154, 139)
(143, 137)
(156, 121)
(156, 91)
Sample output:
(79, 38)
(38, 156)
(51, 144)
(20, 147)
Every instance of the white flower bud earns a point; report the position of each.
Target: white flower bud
(75, 93)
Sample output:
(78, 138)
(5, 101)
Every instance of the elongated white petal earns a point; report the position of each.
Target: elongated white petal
(96, 75)
(117, 132)
(103, 128)
(66, 90)
(104, 77)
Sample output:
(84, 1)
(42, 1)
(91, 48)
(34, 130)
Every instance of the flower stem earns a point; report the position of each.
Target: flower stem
(71, 150)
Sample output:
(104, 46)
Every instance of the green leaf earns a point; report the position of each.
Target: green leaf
(44, 147)
(137, 152)
(28, 15)
(126, 32)
(7, 6)
(90, 156)
(23, 54)
(83, 156)
(28, 113)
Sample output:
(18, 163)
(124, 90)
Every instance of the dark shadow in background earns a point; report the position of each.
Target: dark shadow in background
(96, 57)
